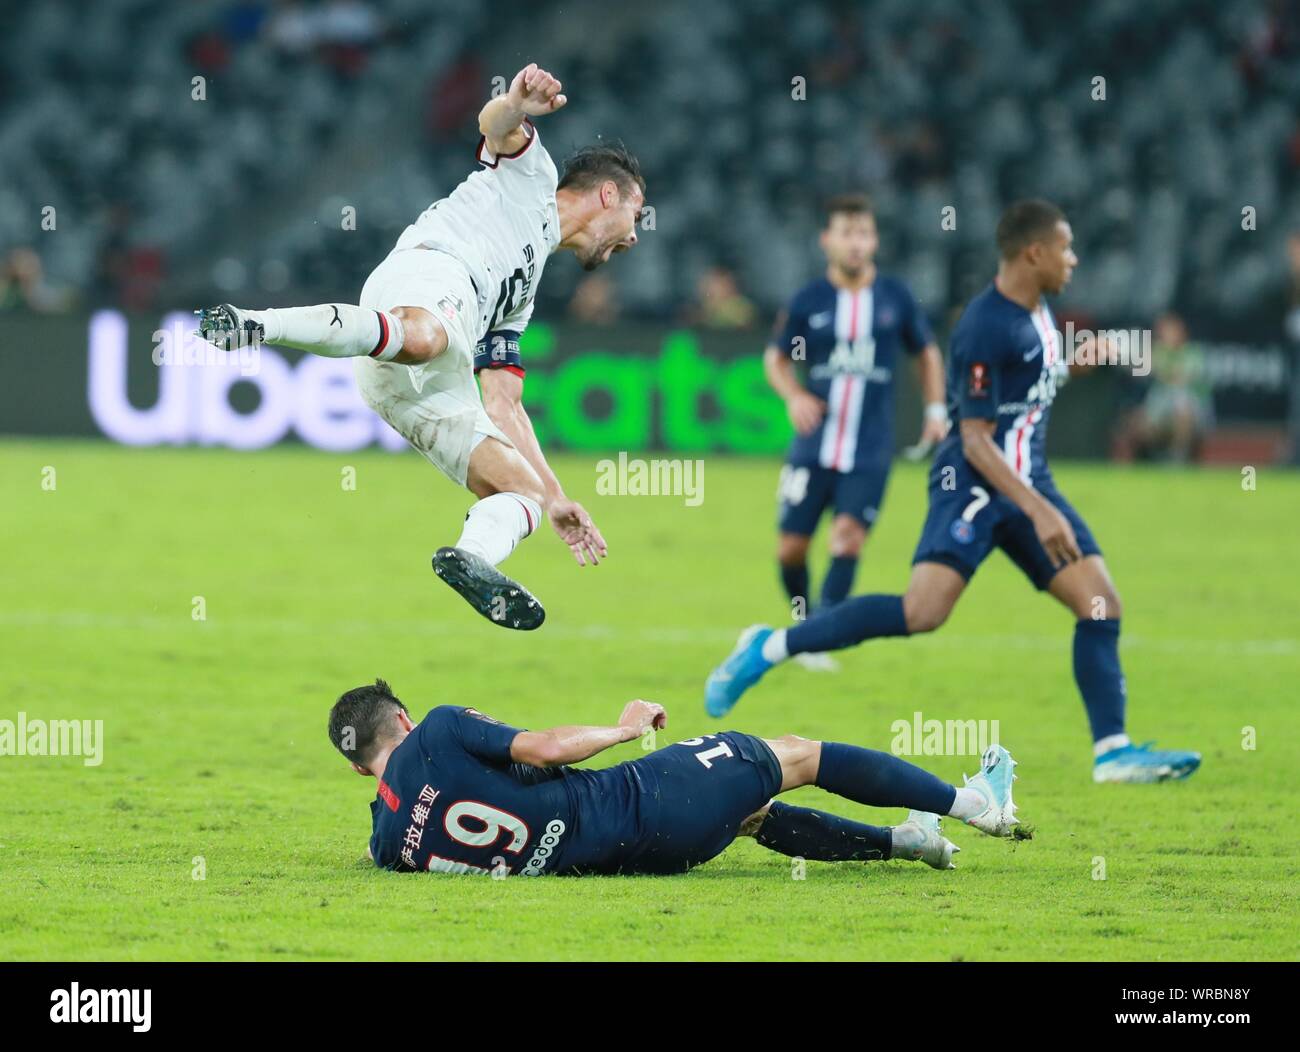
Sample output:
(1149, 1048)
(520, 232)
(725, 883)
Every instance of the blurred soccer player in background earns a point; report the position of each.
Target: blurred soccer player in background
(991, 487)
(844, 333)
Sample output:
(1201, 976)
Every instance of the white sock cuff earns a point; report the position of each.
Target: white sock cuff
(532, 510)
(1111, 741)
(774, 647)
(391, 337)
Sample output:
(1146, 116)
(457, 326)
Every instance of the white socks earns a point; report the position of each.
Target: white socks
(497, 523)
(1111, 741)
(334, 330)
(968, 803)
(774, 649)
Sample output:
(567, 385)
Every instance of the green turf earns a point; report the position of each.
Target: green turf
(215, 741)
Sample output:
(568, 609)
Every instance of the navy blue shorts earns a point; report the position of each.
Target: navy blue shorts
(806, 492)
(697, 794)
(965, 524)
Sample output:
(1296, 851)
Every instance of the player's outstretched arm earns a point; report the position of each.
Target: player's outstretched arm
(561, 745)
(533, 93)
(503, 394)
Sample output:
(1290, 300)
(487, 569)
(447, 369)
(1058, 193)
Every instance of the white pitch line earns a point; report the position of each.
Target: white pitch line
(69, 619)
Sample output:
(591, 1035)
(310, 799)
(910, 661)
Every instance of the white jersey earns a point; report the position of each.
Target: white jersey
(502, 224)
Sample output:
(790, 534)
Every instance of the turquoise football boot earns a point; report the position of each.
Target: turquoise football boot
(1141, 763)
(743, 668)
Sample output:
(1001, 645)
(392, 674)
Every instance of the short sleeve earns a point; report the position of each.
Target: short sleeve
(529, 167)
(981, 355)
(477, 734)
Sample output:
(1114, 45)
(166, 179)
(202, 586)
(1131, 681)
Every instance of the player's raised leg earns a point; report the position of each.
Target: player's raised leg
(508, 510)
(932, 592)
(1086, 589)
(406, 335)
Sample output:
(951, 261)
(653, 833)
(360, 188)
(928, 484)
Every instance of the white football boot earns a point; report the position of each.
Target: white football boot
(919, 839)
(994, 783)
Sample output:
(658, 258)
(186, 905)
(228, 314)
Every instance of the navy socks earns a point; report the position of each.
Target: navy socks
(839, 580)
(795, 581)
(854, 620)
(804, 833)
(1100, 679)
(879, 779)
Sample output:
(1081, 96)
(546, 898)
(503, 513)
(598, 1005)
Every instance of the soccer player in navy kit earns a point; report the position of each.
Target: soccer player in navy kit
(846, 330)
(463, 793)
(990, 487)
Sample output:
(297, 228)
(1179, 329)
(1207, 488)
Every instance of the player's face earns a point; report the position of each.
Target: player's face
(614, 229)
(1057, 259)
(850, 242)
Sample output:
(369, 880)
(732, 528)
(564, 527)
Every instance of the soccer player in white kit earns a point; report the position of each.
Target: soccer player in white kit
(466, 269)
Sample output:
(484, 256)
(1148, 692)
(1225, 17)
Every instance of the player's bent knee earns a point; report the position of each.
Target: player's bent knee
(800, 758)
(495, 467)
(792, 549)
(751, 825)
(923, 613)
(423, 337)
(847, 538)
(1105, 606)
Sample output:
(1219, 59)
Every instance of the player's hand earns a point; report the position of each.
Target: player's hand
(933, 432)
(1056, 536)
(639, 716)
(806, 411)
(574, 525)
(535, 92)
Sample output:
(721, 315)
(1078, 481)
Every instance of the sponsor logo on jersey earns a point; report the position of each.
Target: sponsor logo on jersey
(537, 861)
(388, 796)
(977, 383)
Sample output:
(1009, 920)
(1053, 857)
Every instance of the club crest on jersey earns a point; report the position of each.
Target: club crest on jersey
(962, 531)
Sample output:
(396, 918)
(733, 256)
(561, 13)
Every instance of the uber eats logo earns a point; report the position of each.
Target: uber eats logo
(673, 397)
(621, 388)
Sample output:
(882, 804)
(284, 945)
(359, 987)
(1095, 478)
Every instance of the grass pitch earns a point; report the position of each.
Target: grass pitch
(216, 764)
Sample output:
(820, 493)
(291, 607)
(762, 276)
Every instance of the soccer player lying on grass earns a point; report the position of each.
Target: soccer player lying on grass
(462, 793)
(454, 295)
(991, 487)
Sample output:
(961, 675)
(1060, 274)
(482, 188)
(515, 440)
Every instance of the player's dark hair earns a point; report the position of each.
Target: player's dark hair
(361, 719)
(846, 205)
(1024, 223)
(592, 165)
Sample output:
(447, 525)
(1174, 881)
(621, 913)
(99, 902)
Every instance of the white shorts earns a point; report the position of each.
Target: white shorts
(435, 406)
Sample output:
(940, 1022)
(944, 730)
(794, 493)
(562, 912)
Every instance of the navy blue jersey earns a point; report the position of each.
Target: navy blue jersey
(1004, 364)
(452, 801)
(851, 342)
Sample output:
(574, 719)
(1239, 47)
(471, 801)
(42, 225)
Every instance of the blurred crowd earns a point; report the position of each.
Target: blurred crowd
(207, 150)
